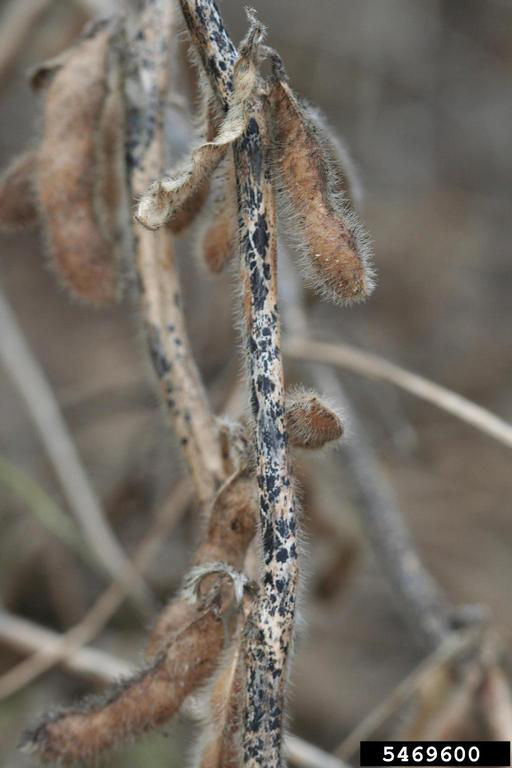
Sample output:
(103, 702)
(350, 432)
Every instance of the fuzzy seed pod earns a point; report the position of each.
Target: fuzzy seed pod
(167, 196)
(334, 246)
(218, 238)
(80, 182)
(345, 180)
(309, 421)
(231, 528)
(18, 208)
(135, 706)
(221, 742)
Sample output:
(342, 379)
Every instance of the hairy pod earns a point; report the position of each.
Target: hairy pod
(18, 208)
(135, 706)
(80, 176)
(334, 247)
(218, 237)
(221, 742)
(310, 422)
(231, 528)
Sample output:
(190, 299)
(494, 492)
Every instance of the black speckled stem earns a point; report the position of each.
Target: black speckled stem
(156, 270)
(270, 629)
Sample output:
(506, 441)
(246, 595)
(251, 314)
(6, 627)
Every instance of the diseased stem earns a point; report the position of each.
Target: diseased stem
(269, 638)
(160, 293)
(269, 633)
(213, 44)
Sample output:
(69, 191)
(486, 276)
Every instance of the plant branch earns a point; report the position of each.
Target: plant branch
(27, 637)
(155, 264)
(108, 602)
(354, 359)
(418, 597)
(454, 646)
(269, 635)
(35, 390)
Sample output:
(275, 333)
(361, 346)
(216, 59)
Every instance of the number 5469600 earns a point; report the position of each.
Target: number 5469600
(431, 754)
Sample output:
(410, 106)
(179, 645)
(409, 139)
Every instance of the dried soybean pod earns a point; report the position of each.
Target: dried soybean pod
(311, 423)
(82, 252)
(18, 208)
(137, 705)
(334, 247)
(220, 745)
(344, 178)
(218, 237)
(111, 191)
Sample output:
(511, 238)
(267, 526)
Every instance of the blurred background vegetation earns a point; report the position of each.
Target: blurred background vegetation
(420, 91)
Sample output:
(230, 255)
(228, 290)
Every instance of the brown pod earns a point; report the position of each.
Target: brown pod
(309, 421)
(18, 207)
(218, 236)
(334, 246)
(231, 527)
(344, 178)
(76, 167)
(133, 707)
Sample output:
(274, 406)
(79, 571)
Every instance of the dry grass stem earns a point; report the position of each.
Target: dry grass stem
(108, 602)
(44, 411)
(375, 367)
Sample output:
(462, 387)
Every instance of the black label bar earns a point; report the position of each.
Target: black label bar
(375, 754)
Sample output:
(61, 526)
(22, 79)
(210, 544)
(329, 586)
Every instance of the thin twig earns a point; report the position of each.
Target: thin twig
(31, 383)
(455, 645)
(27, 637)
(304, 755)
(108, 602)
(16, 23)
(418, 597)
(373, 366)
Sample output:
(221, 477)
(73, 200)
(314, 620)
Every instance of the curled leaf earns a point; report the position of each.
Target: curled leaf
(167, 196)
(192, 205)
